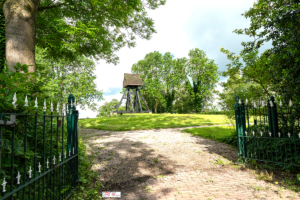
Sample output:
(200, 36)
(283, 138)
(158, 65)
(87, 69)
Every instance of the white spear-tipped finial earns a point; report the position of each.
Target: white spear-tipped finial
(57, 108)
(39, 167)
(45, 106)
(36, 104)
(271, 104)
(75, 103)
(51, 107)
(254, 104)
(262, 104)
(69, 152)
(73, 151)
(64, 108)
(280, 103)
(289, 134)
(246, 101)
(15, 100)
(54, 159)
(29, 171)
(261, 133)
(18, 178)
(67, 108)
(245, 132)
(26, 101)
(65, 154)
(71, 103)
(270, 134)
(240, 102)
(279, 134)
(47, 163)
(4, 185)
(290, 103)
(299, 134)
(59, 156)
(253, 133)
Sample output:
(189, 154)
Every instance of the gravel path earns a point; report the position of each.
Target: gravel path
(171, 164)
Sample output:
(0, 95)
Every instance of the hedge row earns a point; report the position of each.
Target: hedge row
(2, 38)
(217, 112)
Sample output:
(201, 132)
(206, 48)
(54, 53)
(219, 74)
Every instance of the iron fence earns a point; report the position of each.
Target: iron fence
(39, 153)
(275, 135)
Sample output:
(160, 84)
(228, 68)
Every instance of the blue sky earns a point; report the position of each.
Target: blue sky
(181, 26)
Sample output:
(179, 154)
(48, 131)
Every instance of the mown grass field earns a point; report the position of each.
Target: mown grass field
(218, 133)
(151, 121)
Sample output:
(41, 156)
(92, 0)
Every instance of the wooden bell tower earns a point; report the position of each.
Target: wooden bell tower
(132, 82)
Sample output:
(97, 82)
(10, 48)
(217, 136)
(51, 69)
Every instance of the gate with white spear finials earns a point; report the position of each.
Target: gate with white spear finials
(39, 152)
(274, 136)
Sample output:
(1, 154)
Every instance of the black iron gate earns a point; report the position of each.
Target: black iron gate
(39, 153)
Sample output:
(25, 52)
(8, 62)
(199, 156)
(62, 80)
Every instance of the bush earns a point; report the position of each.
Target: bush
(217, 112)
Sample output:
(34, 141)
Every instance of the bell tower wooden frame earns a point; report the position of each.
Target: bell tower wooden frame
(132, 82)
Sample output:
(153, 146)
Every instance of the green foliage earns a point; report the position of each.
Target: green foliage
(160, 79)
(68, 29)
(167, 80)
(2, 39)
(218, 112)
(204, 76)
(30, 84)
(88, 187)
(277, 21)
(108, 107)
(64, 78)
(247, 78)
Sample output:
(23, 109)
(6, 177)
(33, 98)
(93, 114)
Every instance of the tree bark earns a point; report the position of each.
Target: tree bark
(20, 30)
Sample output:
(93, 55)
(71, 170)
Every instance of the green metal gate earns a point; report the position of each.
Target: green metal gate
(39, 153)
(275, 135)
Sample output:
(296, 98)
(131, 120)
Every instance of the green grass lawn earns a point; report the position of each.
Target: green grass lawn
(218, 133)
(151, 121)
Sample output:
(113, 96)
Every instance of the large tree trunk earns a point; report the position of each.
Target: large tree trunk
(20, 28)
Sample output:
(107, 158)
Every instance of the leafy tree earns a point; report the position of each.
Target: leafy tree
(201, 76)
(183, 102)
(277, 21)
(108, 107)
(65, 77)
(151, 73)
(68, 29)
(2, 40)
(248, 78)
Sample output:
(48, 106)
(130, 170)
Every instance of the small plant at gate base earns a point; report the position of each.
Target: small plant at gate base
(159, 176)
(220, 162)
(210, 180)
(156, 160)
(147, 189)
(266, 177)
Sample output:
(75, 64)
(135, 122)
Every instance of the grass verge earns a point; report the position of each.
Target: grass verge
(218, 133)
(281, 175)
(88, 187)
(151, 121)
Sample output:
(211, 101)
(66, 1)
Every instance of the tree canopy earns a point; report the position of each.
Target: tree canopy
(168, 81)
(277, 21)
(71, 28)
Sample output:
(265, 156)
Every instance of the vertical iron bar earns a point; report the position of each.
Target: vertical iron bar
(12, 162)
(35, 143)
(43, 171)
(51, 130)
(25, 159)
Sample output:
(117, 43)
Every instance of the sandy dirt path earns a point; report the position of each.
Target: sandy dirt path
(171, 164)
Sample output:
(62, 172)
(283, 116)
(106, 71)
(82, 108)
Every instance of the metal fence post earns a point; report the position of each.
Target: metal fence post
(273, 117)
(240, 127)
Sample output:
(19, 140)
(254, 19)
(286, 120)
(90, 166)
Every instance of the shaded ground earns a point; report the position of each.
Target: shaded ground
(170, 164)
